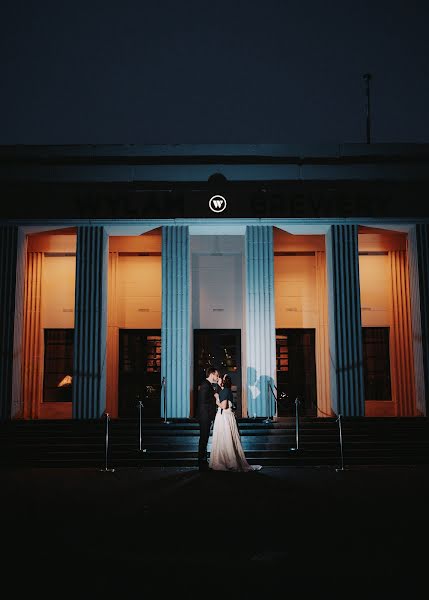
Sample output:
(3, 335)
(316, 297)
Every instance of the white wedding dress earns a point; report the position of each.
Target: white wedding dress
(226, 450)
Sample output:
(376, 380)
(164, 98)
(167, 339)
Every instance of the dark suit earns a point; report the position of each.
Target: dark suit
(206, 413)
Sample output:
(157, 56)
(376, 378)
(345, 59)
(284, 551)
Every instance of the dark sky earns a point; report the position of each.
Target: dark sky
(198, 71)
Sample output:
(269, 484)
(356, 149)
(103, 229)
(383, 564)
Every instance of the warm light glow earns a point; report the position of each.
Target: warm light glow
(66, 381)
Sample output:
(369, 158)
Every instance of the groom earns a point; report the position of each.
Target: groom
(206, 413)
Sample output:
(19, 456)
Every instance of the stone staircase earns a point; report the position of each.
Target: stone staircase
(72, 443)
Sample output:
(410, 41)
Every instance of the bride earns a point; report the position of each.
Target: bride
(226, 451)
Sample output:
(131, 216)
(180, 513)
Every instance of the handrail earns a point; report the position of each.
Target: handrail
(319, 410)
(282, 394)
(340, 433)
(338, 420)
(297, 403)
(270, 419)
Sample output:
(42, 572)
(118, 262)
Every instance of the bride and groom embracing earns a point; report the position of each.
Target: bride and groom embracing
(215, 402)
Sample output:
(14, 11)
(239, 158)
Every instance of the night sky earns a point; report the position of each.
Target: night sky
(194, 71)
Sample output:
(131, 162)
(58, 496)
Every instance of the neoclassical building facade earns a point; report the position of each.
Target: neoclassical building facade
(126, 270)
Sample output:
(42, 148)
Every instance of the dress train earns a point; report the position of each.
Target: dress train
(226, 450)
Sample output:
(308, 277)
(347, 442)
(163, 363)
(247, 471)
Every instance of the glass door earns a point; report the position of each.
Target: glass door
(220, 348)
(139, 372)
(296, 371)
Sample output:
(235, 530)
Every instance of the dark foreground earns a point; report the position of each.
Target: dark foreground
(85, 531)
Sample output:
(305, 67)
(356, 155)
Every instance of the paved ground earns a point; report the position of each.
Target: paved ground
(177, 529)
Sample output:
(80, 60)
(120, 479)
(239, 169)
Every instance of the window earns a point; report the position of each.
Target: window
(58, 366)
(376, 363)
(153, 349)
(282, 354)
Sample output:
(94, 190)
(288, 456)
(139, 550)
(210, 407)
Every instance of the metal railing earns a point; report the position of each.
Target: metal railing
(283, 396)
(340, 432)
(297, 403)
(269, 418)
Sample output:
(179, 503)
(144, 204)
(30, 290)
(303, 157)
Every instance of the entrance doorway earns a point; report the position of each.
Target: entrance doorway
(296, 371)
(220, 348)
(139, 372)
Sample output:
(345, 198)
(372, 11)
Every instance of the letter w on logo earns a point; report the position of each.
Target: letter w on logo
(217, 203)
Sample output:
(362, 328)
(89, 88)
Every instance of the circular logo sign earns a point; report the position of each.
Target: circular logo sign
(217, 204)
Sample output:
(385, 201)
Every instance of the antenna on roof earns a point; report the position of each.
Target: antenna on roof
(367, 77)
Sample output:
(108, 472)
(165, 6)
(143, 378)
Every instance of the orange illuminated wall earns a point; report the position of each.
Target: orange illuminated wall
(385, 302)
(49, 303)
(300, 297)
(134, 296)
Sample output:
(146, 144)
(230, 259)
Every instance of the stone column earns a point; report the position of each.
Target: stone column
(33, 342)
(345, 326)
(322, 340)
(176, 321)
(90, 336)
(418, 255)
(112, 374)
(260, 321)
(401, 350)
(12, 276)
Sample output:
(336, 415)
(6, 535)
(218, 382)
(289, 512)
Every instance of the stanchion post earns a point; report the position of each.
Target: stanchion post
(163, 383)
(140, 406)
(106, 469)
(340, 432)
(270, 389)
(296, 425)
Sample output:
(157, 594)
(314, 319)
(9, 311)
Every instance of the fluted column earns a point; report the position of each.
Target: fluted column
(402, 360)
(418, 254)
(322, 340)
(12, 265)
(89, 360)
(176, 320)
(260, 321)
(112, 338)
(345, 326)
(33, 345)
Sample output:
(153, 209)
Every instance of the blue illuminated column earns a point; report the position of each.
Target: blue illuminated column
(90, 327)
(260, 322)
(418, 249)
(176, 321)
(344, 318)
(12, 266)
